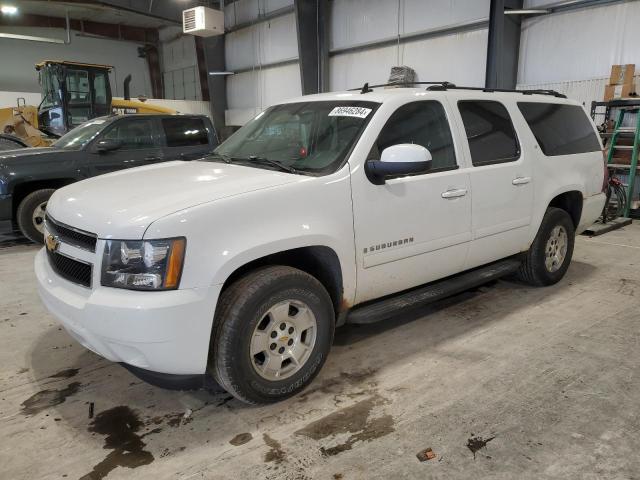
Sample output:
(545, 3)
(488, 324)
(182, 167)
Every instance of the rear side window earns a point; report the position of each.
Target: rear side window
(560, 129)
(422, 123)
(185, 132)
(491, 136)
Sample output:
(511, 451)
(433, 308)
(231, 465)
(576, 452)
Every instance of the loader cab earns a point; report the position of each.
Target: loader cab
(72, 93)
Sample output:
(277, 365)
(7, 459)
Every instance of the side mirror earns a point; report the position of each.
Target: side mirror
(397, 161)
(108, 145)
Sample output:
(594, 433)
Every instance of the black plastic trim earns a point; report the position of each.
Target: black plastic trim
(168, 381)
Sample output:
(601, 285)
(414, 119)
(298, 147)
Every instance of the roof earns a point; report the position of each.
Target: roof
(39, 65)
(382, 95)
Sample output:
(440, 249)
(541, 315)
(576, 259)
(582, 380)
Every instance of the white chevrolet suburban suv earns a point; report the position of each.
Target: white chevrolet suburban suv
(326, 209)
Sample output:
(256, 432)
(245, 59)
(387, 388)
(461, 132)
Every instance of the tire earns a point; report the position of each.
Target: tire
(30, 214)
(540, 266)
(249, 312)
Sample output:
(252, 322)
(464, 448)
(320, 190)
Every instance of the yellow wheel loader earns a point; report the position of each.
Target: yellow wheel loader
(72, 93)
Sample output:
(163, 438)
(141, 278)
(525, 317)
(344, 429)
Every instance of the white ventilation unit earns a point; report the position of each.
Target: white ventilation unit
(203, 21)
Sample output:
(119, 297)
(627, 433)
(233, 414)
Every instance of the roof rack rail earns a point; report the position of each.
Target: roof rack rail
(483, 89)
(366, 88)
(442, 86)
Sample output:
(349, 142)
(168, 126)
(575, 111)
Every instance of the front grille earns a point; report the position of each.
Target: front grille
(70, 269)
(72, 236)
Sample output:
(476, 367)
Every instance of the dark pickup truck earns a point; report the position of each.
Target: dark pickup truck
(29, 176)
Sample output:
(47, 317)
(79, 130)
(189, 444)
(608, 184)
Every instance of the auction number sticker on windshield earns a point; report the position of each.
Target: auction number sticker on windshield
(359, 112)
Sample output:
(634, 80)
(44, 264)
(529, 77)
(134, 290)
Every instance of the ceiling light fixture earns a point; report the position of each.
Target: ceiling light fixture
(8, 10)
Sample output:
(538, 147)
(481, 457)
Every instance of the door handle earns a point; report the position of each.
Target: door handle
(521, 180)
(458, 192)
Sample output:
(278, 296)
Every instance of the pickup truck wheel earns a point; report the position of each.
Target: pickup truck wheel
(30, 214)
(550, 254)
(273, 331)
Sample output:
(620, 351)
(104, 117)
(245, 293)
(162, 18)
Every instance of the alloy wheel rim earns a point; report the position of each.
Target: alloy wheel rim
(556, 249)
(283, 340)
(38, 216)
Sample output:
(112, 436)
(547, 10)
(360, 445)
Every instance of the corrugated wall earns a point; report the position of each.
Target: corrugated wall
(459, 58)
(251, 48)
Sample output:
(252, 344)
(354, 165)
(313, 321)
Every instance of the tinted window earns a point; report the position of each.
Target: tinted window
(185, 132)
(421, 123)
(560, 129)
(490, 132)
(133, 133)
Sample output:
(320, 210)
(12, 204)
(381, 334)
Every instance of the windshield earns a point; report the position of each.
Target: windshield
(81, 135)
(306, 137)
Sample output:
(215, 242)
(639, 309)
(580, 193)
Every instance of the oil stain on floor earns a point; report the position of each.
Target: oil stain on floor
(477, 443)
(241, 439)
(276, 453)
(67, 373)
(120, 425)
(48, 398)
(355, 420)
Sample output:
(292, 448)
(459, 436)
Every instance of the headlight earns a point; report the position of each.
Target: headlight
(143, 264)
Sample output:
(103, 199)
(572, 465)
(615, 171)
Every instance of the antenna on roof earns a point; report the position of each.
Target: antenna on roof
(365, 88)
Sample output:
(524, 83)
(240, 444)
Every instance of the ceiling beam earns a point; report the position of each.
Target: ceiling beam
(88, 27)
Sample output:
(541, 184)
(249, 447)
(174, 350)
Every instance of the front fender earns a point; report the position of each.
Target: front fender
(228, 233)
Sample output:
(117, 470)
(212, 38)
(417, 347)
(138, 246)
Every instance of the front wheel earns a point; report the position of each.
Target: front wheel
(272, 334)
(31, 212)
(549, 256)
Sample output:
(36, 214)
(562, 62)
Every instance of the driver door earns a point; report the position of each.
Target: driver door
(413, 229)
(140, 145)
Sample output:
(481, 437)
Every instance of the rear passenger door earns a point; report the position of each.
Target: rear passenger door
(139, 145)
(501, 182)
(186, 138)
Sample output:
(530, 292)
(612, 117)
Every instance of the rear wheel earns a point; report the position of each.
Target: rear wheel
(273, 331)
(550, 254)
(31, 212)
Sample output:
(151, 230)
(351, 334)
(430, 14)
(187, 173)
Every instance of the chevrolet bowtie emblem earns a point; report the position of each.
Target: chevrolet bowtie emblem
(52, 243)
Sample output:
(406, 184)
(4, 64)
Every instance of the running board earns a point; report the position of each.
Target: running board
(432, 292)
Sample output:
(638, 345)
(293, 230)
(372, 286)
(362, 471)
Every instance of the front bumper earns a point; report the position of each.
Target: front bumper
(164, 332)
(6, 209)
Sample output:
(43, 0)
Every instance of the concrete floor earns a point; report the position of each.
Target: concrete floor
(549, 377)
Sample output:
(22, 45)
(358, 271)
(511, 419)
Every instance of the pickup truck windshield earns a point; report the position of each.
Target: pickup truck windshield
(306, 137)
(81, 135)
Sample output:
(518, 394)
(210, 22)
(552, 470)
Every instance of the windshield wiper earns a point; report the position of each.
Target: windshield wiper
(275, 163)
(225, 157)
(222, 156)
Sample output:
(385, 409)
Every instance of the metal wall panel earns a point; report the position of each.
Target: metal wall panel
(459, 58)
(265, 42)
(251, 92)
(243, 11)
(355, 22)
(579, 44)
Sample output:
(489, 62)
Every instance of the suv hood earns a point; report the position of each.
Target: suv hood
(9, 158)
(124, 204)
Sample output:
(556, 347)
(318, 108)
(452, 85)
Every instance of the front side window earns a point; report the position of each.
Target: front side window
(492, 138)
(185, 132)
(421, 123)
(310, 137)
(132, 133)
(560, 129)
